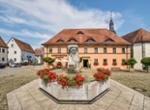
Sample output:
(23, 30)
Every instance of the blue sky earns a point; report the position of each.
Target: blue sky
(35, 21)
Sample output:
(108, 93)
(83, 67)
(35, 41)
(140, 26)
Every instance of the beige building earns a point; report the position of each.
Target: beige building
(97, 47)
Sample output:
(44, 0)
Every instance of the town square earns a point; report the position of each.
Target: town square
(74, 55)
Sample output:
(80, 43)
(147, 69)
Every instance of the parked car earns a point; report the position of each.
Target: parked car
(14, 65)
(2, 65)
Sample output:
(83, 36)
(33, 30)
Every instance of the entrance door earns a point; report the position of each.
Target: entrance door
(85, 63)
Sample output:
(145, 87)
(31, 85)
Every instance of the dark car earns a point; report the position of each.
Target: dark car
(15, 65)
(2, 65)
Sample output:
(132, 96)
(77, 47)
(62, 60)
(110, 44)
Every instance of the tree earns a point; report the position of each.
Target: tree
(146, 62)
(131, 62)
(48, 60)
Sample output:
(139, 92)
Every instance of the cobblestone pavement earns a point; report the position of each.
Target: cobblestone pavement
(120, 97)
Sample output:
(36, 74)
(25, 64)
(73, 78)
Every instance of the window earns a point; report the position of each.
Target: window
(15, 52)
(80, 32)
(114, 50)
(50, 50)
(123, 50)
(3, 59)
(104, 50)
(95, 61)
(123, 62)
(85, 50)
(60, 41)
(3, 50)
(90, 40)
(59, 50)
(12, 45)
(104, 61)
(95, 50)
(114, 62)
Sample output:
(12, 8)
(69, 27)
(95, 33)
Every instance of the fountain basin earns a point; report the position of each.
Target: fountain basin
(87, 93)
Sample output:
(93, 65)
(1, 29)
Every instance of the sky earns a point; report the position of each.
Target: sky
(36, 21)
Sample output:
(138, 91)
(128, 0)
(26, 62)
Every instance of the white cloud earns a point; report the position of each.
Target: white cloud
(59, 14)
(25, 33)
(54, 15)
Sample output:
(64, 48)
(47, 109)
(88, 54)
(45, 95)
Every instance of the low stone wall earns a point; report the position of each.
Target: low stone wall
(87, 92)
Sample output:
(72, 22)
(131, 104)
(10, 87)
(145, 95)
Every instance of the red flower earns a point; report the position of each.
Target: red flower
(52, 76)
(79, 79)
(107, 72)
(99, 76)
(62, 80)
(43, 72)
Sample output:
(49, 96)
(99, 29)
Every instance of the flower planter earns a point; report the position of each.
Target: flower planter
(84, 94)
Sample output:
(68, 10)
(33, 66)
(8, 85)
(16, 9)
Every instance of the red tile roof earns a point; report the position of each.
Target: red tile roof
(140, 35)
(82, 35)
(38, 51)
(2, 43)
(24, 46)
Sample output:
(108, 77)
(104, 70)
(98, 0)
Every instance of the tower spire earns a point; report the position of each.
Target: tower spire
(111, 24)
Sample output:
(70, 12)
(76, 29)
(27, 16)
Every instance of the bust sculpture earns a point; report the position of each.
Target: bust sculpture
(73, 58)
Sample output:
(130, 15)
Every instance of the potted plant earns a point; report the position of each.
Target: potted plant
(49, 61)
(131, 62)
(146, 62)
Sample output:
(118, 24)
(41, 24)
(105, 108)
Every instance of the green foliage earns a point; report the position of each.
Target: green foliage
(131, 62)
(48, 60)
(71, 82)
(146, 62)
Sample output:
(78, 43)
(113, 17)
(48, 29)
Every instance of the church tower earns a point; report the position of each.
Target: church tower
(111, 25)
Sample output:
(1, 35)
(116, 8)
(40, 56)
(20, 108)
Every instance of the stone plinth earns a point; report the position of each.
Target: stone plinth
(87, 93)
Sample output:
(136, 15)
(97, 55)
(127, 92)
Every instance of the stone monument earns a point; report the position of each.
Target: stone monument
(73, 59)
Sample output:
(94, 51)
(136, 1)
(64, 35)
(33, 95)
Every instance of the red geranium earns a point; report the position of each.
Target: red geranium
(52, 76)
(79, 79)
(43, 72)
(62, 80)
(99, 76)
(107, 72)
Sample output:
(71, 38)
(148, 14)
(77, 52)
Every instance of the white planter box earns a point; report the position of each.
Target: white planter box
(87, 91)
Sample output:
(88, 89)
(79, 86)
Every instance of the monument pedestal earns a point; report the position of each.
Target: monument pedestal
(87, 93)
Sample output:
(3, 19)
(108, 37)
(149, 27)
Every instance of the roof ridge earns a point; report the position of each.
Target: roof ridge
(24, 46)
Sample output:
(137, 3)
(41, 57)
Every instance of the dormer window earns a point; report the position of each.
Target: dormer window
(90, 40)
(72, 40)
(80, 32)
(109, 40)
(60, 41)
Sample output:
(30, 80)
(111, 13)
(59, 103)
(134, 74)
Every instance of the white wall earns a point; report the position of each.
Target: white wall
(147, 49)
(3, 55)
(39, 59)
(12, 49)
(137, 49)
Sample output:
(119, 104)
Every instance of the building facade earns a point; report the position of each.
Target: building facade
(140, 40)
(3, 52)
(19, 51)
(39, 55)
(97, 48)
